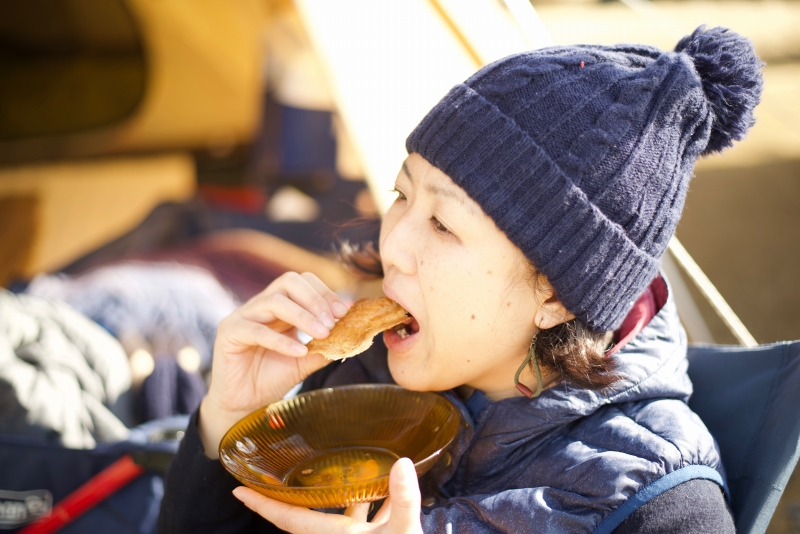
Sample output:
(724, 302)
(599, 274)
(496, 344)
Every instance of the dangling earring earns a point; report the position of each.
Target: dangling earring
(525, 390)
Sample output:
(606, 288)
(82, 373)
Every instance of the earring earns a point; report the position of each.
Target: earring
(525, 390)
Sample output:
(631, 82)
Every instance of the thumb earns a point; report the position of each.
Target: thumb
(306, 365)
(404, 492)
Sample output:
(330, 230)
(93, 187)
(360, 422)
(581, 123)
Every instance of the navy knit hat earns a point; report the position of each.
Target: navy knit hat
(582, 154)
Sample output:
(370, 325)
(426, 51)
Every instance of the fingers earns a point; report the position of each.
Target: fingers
(404, 491)
(286, 309)
(294, 519)
(337, 306)
(244, 333)
(359, 512)
(308, 293)
(299, 289)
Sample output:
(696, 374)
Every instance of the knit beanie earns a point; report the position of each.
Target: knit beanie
(582, 154)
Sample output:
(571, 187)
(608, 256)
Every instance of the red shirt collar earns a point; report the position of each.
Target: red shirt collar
(642, 312)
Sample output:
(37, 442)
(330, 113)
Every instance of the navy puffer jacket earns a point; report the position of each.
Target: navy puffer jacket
(571, 460)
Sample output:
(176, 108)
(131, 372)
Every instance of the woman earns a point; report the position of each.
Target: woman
(525, 241)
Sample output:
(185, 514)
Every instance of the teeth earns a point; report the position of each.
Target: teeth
(402, 332)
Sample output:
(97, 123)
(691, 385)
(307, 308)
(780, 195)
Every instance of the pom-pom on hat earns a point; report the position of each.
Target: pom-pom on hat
(582, 154)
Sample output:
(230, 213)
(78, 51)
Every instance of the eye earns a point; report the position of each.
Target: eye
(439, 227)
(400, 194)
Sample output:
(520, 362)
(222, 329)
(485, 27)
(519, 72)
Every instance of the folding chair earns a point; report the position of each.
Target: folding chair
(748, 398)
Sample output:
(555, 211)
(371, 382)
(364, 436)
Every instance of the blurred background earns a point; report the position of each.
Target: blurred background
(161, 161)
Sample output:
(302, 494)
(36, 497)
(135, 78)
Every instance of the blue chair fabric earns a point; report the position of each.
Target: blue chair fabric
(749, 398)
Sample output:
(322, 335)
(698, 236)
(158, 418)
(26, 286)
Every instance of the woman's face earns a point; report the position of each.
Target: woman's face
(466, 285)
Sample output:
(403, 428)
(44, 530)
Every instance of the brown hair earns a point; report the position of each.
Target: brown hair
(571, 349)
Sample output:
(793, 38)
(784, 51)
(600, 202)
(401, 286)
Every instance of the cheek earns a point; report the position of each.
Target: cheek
(466, 302)
(470, 313)
(451, 294)
(478, 314)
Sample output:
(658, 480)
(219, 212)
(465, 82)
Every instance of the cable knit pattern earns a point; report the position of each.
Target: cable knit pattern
(582, 155)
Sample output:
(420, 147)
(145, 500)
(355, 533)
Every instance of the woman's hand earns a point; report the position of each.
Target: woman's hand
(257, 356)
(400, 514)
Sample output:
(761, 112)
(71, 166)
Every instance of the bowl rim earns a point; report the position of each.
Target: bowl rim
(454, 414)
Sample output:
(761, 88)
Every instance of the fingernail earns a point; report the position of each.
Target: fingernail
(299, 349)
(326, 319)
(339, 309)
(237, 492)
(406, 469)
(319, 329)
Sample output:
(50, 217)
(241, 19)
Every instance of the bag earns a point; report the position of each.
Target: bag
(119, 486)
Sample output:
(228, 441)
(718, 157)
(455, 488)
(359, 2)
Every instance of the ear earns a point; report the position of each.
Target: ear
(551, 312)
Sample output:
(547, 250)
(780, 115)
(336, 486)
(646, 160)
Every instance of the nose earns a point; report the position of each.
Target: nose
(397, 243)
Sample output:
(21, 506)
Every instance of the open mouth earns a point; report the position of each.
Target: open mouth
(407, 328)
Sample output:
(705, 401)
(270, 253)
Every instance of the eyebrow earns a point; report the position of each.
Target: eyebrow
(447, 192)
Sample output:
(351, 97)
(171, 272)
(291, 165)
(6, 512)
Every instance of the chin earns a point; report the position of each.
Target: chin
(405, 377)
(410, 377)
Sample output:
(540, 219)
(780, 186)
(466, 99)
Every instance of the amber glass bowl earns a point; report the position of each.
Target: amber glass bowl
(334, 447)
